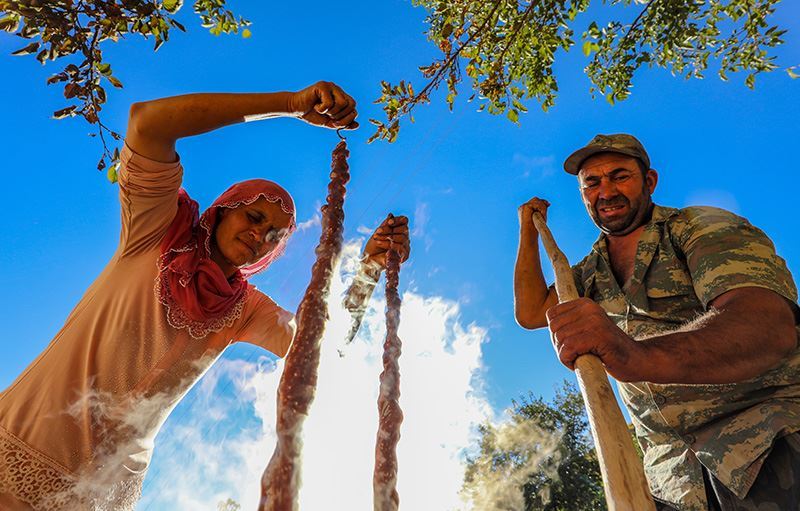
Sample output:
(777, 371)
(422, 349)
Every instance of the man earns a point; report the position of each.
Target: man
(695, 315)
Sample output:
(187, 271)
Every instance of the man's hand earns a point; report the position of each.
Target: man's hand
(526, 211)
(324, 104)
(581, 326)
(393, 232)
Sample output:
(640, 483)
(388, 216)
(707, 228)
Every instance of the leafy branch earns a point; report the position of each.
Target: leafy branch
(401, 99)
(76, 30)
(509, 48)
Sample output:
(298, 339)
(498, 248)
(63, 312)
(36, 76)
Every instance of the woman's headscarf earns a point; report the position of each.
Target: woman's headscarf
(190, 284)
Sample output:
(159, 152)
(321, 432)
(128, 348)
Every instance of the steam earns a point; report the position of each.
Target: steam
(221, 438)
(124, 430)
(518, 448)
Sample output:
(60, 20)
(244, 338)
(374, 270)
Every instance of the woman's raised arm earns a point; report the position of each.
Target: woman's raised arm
(155, 126)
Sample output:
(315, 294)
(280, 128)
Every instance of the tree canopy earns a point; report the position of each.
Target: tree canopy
(74, 32)
(568, 478)
(506, 49)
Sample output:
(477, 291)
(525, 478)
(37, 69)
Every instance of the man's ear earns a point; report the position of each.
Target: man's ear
(651, 180)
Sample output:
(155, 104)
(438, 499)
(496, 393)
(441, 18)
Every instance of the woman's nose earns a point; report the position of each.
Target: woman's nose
(256, 235)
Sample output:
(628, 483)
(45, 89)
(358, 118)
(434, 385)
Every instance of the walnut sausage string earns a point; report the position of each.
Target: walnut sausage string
(280, 483)
(385, 496)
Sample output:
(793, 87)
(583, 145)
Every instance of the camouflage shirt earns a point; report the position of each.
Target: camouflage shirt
(686, 258)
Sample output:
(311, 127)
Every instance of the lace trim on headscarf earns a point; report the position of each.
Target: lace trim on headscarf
(40, 482)
(235, 204)
(177, 318)
(178, 264)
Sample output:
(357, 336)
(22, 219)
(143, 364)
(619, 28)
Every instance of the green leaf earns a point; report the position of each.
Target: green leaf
(64, 112)
(111, 174)
(792, 74)
(27, 50)
(587, 48)
(513, 116)
(172, 6)
(9, 24)
(447, 30)
(104, 69)
(246, 33)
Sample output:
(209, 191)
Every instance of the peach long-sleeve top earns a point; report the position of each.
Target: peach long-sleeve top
(79, 422)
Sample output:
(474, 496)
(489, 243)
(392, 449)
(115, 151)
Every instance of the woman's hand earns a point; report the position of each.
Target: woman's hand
(392, 233)
(325, 104)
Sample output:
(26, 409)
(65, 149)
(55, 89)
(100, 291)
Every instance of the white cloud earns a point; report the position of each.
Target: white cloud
(222, 443)
(540, 166)
(420, 222)
(711, 197)
(421, 217)
(314, 221)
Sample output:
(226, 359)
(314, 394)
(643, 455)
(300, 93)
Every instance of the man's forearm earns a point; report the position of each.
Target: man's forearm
(752, 331)
(530, 288)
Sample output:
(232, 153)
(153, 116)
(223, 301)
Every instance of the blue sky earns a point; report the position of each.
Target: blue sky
(459, 176)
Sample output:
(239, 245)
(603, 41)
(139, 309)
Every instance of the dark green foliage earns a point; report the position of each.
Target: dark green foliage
(506, 49)
(569, 479)
(75, 31)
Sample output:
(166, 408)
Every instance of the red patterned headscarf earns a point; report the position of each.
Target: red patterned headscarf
(190, 284)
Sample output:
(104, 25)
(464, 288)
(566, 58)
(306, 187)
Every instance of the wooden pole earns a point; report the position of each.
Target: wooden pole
(623, 475)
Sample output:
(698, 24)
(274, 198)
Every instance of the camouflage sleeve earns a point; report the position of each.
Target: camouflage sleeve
(577, 274)
(724, 252)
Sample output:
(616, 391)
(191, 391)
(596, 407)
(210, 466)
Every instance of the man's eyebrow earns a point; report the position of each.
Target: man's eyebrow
(598, 175)
(618, 170)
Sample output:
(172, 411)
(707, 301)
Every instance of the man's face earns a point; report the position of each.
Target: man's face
(246, 234)
(615, 193)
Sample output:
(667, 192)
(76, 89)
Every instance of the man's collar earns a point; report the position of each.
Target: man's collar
(659, 215)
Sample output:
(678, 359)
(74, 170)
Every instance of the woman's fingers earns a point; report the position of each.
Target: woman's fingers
(348, 122)
(343, 104)
(326, 101)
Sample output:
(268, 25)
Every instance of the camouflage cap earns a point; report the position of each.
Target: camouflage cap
(617, 143)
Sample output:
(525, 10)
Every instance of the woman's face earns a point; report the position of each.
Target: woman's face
(244, 235)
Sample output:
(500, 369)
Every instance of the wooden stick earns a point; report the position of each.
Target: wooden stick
(624, 482)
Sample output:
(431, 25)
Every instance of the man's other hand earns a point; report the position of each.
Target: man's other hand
(581, 326)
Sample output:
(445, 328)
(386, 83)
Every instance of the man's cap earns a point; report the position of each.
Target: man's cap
(617, 143)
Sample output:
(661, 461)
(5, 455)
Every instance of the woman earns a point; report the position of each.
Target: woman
(77, 426)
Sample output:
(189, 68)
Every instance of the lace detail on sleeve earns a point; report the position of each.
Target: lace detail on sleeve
(35, 479)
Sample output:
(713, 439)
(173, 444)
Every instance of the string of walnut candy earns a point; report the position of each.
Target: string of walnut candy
(384, 482)
(281, 480)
